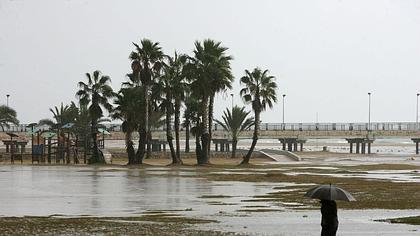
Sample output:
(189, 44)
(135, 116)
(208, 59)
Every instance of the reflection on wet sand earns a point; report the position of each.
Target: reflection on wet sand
(237, 206)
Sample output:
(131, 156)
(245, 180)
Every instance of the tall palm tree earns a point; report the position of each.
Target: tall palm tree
(190, 118)
(260, 91)
(221, 77)
(128, 105)
(179, 87)
(95, 94)
(62, 115)
(211, 74)
(235, 122)
(146, 61)
(163, 88)
(7, 116)
(58, 113)
(82, 129)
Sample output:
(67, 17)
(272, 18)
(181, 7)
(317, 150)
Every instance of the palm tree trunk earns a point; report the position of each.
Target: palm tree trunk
(234, 145)
(187, 136)
(97, 156)
(205, 138)
(143, 127)
(197, 142)
(176, 124)
(142, 145)
(211, 108)
(149, 143)
(254, 138)
(149, 132)
(169, 136)
(130, 148)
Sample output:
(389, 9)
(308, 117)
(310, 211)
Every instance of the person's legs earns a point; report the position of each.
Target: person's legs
(324, 231)
(329, 231)
(334, 230)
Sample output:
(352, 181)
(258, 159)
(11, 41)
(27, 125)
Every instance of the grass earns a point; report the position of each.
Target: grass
(412, 220)
(370, 194)
(215, 196)
(168, 224)
(260, 210)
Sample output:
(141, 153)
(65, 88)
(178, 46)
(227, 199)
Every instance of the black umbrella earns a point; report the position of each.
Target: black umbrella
(329, 192)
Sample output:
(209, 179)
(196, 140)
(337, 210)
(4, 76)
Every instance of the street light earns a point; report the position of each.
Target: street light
(232, 101)
(7, 99)
(284, 95)
(417, 112)
(369, 112)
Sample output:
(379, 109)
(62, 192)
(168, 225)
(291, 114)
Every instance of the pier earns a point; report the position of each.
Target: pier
(292, 136)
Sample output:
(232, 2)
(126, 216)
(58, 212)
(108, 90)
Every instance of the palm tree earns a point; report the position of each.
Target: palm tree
(62, 115)
(211, 69)
(82, 129)
(129, 102)
(95, 94)
(190, 118)
(260, 91)
(163, 88)
(146, 61)
(179, 87)
(221, 79)
(7, 117)
(235, 122)
(58, 113)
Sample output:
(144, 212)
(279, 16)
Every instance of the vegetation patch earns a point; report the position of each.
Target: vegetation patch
(260, 199)
(166, 218)
(169, 225)
(370, 193)
(384, 167)
(260, 210)
(215, 196)
(255, 206)
(411, 220)
(216, 203)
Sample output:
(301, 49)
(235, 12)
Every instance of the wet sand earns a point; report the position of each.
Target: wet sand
(236, 197)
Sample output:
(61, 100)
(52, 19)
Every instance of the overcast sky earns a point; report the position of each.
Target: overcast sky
(326, 54)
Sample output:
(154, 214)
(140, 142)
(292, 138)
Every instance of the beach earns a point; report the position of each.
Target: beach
(265, 198)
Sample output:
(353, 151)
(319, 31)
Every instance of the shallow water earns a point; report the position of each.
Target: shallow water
(114, 191)
(103, 191)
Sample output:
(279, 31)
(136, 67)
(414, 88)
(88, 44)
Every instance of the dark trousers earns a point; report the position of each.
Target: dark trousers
(329, 231)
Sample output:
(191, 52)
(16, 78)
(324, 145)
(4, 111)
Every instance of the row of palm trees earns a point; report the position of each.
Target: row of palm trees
(159, 86)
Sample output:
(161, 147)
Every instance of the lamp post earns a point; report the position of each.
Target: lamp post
(7, 99)
(32, 125)
(284, 127)
(232, 102)
(417, 112)
(369, 112)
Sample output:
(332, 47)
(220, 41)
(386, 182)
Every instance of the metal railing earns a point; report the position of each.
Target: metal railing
(377, 126)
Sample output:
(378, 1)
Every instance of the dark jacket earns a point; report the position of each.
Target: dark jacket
(329, 213)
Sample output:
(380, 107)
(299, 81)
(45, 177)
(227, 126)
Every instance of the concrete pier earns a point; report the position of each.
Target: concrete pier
(158, 145)
(416, 141)
(292, 144)
(361, 144)
(224, 144)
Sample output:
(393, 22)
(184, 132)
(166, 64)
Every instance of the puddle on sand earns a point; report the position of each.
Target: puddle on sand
(48, 190)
